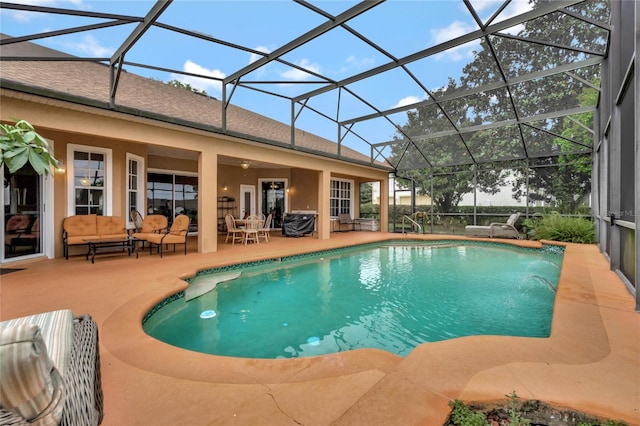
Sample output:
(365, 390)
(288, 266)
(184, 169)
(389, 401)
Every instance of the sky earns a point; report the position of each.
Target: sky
(398, 27)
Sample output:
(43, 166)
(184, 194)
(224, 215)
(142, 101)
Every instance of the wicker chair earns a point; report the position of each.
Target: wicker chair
(83, 400)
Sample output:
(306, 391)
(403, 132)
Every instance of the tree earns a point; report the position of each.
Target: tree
(564, 181)
(432, 161)
(187, 86)
(20, 143)
(366, 193)
(418, 154)
(565, 140)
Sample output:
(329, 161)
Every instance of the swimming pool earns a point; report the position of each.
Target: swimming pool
(391, 296)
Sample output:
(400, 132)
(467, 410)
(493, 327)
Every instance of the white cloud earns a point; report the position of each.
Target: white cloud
(90, 46)
(354, 61)
(454, 30)
(25, 17)
(354, 64)
(196, 82)
(480, 5)
(254, 56)
(515, 8)
(409, 100)
(299, 75)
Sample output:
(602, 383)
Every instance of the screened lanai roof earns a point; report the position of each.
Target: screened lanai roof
(408, 84)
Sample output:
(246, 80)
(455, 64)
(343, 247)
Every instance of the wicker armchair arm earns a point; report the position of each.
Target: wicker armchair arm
(10, 418)
(83, 403)
(83, 382)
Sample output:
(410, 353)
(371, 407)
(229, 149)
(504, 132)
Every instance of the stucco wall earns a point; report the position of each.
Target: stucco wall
(66, 123)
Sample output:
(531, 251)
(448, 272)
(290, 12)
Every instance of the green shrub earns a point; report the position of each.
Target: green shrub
(461, 415)
(560, 228)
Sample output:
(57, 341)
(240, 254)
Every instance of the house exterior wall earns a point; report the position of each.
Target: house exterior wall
(66, 123)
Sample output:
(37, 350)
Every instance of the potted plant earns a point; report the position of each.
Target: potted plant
(20, 143)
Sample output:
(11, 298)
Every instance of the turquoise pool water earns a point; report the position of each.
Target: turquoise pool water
(392, 296)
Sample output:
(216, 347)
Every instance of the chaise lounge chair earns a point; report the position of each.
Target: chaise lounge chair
(495, 230)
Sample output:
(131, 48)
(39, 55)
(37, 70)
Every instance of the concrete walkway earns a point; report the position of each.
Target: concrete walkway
(590, 363)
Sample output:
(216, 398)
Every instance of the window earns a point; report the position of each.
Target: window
(135, 185)
(341, 197)
(89, 183)
(173, 194)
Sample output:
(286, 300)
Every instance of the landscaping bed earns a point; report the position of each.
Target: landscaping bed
(514, 411)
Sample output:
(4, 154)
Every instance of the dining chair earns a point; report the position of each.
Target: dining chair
(250, 229)
(233, 231)
(263, 231)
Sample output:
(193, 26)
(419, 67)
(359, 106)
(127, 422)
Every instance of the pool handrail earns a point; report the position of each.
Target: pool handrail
(413, 222)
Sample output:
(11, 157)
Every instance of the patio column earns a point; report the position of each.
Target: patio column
(324, 211)
(207, 204)
(384, 205)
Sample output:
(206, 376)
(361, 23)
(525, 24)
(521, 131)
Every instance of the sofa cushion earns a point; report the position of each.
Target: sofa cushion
(30, 384)
(81, 239)
(57, 332)
(154, 223)
(111, 226)
(80, 225)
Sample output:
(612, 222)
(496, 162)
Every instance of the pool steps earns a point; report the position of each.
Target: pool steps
(204, 284)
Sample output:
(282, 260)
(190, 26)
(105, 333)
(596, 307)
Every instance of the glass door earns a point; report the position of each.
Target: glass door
(22, 201)
(171, 194)
(273, 199)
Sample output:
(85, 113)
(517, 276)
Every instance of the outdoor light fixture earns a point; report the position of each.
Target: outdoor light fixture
(61, 168)
(244, 165)
(224, 187)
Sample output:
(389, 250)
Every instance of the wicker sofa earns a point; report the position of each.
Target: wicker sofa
(76, 230)
(50, 370)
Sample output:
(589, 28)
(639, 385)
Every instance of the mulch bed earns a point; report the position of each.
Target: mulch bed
(538, 413)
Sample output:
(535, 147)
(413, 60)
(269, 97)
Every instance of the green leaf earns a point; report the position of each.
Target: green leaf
(39, 164)
(21, 143)
(18, 161)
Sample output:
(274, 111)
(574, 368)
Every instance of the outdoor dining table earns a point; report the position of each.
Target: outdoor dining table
(243, 223)
(253, 224)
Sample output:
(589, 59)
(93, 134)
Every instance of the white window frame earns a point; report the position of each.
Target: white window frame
(338, 193)
(108, 177)
(140, 192)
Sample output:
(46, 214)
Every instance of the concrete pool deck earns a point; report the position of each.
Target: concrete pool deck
(590, 363)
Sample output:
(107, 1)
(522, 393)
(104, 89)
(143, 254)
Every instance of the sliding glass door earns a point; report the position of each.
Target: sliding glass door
(23, 206)
(173, 194)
